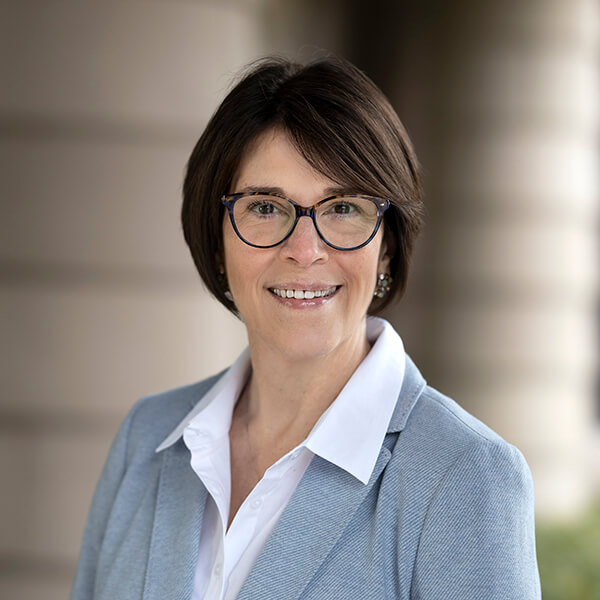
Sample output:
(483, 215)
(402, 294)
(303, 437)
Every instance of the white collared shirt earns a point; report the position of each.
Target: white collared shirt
(349, 434)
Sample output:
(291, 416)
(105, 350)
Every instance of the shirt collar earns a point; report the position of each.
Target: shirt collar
(350, 432)
(228, 389)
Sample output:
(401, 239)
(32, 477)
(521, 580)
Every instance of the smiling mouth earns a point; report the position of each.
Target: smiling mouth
(303, 294)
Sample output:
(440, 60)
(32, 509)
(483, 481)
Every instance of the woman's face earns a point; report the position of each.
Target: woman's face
(299, 328)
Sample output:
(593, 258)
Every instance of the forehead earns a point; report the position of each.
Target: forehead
(272, 162)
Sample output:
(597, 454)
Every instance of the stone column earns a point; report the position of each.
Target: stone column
(513, 293)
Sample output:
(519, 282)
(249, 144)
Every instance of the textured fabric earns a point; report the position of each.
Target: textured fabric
(349, 435)
(447, 514)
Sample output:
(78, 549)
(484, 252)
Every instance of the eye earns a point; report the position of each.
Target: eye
(342, 208)
(262, 207)
(266, 207)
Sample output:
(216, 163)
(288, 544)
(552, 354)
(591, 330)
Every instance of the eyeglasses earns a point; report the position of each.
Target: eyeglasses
(265, 220)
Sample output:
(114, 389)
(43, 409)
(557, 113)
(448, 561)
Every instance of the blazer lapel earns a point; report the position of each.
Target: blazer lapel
(176, 531)
(319, 511)
(317, 514)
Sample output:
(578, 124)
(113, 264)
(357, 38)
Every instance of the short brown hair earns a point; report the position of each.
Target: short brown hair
(339, 121)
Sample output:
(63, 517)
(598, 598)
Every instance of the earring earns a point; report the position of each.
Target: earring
(383, 285)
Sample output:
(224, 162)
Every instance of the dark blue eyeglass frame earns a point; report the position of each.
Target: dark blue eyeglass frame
(382, 205)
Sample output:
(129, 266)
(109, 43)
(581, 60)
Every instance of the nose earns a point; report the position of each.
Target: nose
(304, 246)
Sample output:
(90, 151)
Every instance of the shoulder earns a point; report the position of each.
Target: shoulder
(424, 413)
(155, 416)
(436, 414)
(457, 429)
(465, 507)
(477, 515)
(442, 441)
(451, 450)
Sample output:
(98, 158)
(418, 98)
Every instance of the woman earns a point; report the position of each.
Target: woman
(320, 465)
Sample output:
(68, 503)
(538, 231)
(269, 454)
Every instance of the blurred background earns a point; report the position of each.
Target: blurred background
(100, 106)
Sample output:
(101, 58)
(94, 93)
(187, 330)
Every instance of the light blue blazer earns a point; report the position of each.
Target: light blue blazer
(446, 515)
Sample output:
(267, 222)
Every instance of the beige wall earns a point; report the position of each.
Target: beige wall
(100, 301)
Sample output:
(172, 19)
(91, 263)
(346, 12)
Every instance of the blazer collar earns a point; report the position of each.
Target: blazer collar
(412, 387)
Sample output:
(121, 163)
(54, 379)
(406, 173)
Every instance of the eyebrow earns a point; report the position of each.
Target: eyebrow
(262, 188)
(269, 189)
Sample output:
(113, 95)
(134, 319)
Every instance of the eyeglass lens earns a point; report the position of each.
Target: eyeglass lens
(265, 220)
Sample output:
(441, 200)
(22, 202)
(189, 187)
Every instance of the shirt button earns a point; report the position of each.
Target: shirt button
(256, 503)
(296, 454)
(218, 570)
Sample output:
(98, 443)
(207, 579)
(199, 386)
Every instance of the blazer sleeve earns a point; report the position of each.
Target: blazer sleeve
(478, 538)
(102, 503)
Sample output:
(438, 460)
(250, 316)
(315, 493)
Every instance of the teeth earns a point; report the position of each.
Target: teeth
(303, 294)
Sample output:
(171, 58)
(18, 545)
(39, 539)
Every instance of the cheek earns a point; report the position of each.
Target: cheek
(233, 252)
(232, 259)
(244, 266)
(227, 234)
(363, 272)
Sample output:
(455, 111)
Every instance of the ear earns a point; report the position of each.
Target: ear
(383, 265)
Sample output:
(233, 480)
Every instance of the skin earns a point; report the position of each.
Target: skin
(316, 344)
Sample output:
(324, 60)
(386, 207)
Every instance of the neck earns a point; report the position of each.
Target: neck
(286, 394)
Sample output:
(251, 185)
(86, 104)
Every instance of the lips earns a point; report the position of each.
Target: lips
(302, 294)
